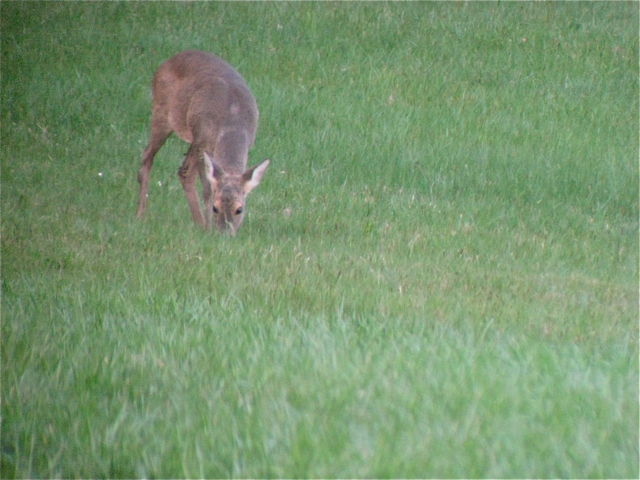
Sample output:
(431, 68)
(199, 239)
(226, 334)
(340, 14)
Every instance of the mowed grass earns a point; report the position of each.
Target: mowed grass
(437, 277)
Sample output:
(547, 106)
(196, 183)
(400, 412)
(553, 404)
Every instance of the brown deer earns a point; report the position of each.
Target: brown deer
(206, 103)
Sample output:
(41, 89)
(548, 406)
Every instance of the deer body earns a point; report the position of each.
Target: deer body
(206, 103)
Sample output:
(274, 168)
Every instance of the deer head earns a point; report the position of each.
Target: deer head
(226, 210)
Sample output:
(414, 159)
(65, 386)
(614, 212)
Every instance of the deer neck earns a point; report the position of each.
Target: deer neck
(232, 151)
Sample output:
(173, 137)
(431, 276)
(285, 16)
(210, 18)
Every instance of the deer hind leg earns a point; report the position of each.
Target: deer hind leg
(159, 134)
(188, 174)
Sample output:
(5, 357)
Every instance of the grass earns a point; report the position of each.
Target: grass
(437, 277)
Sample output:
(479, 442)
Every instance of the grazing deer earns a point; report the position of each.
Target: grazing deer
(206, 103)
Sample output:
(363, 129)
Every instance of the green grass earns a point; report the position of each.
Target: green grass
(437, 277)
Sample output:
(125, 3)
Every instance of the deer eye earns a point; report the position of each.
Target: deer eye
(215, 209)
(239, 211)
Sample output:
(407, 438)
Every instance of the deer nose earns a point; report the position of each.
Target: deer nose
(229, 228)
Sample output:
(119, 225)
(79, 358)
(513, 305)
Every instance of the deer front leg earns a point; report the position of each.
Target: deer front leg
(188, 173)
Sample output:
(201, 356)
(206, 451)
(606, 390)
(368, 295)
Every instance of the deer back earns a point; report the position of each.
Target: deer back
(209, 105)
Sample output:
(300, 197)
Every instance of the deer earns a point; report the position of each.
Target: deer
(205, 102)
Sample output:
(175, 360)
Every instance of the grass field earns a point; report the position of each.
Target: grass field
(437, 277)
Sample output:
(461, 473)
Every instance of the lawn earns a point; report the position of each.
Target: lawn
(437, 276)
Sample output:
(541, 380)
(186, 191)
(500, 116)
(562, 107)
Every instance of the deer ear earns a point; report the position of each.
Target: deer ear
(212, 170)
(252, 177)
(209, 170)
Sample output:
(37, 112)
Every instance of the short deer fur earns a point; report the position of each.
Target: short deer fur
(206, 103)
